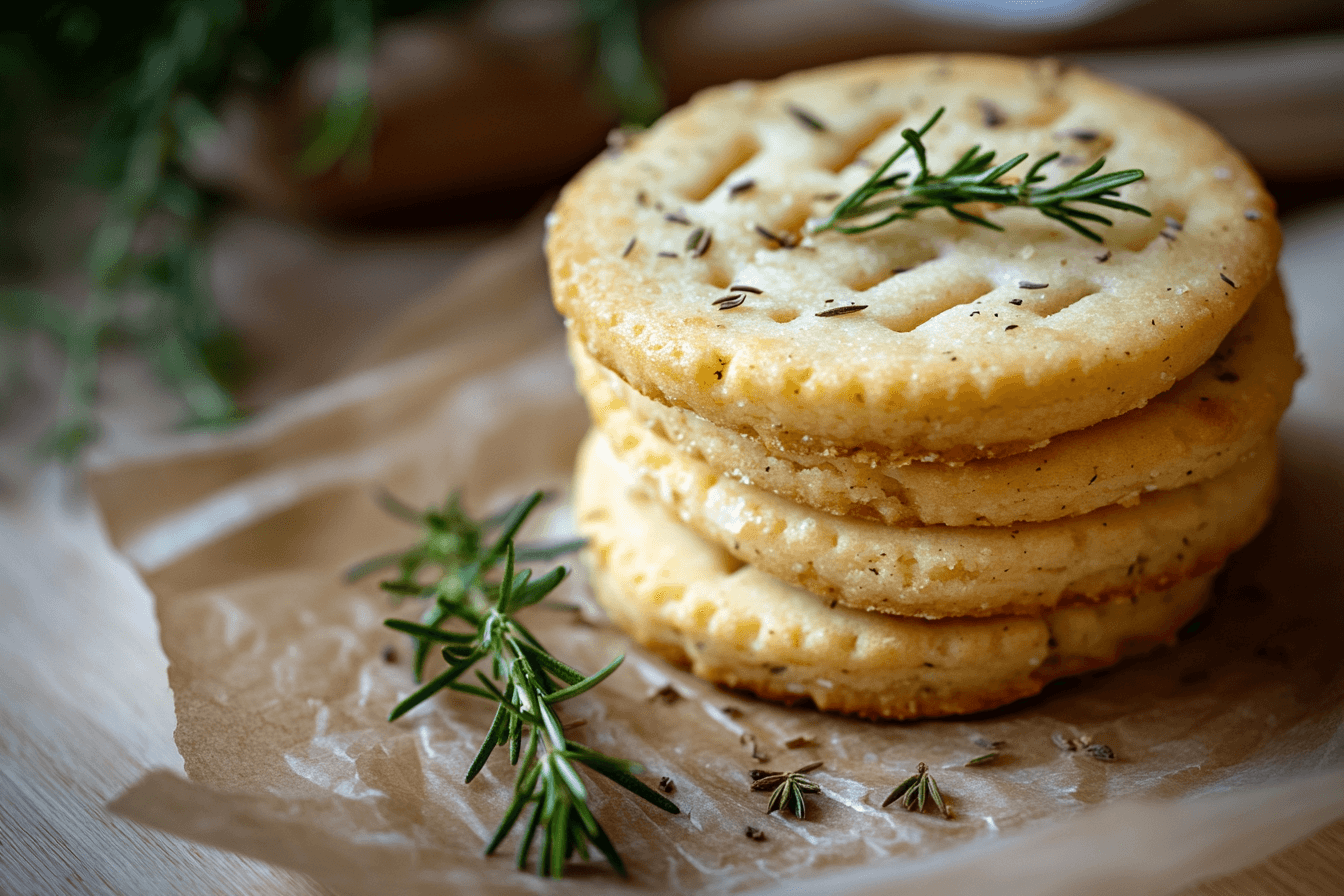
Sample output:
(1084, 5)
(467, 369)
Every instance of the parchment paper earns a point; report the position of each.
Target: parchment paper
(283, 675)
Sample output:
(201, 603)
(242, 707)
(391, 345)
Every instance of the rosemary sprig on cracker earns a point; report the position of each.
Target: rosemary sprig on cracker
(975, 178)
(524, 679)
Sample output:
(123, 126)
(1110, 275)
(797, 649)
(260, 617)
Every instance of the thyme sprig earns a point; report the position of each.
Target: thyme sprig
(975, 178)
(916, 791)
(524, 680)
(788, 788)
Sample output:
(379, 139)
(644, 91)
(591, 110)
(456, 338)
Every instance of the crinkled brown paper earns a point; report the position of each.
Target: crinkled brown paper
(1229, 745)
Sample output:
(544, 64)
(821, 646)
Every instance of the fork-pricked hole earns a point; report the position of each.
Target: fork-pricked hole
(860, 139)
(785, 231)
(879, 267)
(718, 276)
(732, 155)
(1055, 298)
(1047, 111)
(925, 306)
(1137, 233)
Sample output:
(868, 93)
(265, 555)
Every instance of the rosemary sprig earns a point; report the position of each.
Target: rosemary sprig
(975, 178)
(524, 679)
(154, 73)
(788, 788)
(915, 792)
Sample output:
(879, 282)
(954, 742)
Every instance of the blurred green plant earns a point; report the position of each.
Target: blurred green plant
(153, 72)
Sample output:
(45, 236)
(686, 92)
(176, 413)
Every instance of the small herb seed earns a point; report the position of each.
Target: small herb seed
(1027, 284)
(742, 287)
(842, 310)
(1228, 280)
(740, 187)
(728, 303)
(784, 241)
(629, 247)
(697, 244)
(806, 118)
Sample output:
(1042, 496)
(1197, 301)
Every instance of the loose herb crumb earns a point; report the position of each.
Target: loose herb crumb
(917, 791)
(749, 740)
(1083, 743)
(788, 788)
(666, 694)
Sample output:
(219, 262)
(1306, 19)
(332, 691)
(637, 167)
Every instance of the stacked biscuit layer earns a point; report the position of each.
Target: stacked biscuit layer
(924, 469)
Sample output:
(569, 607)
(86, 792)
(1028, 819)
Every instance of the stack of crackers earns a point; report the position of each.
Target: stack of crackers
(928, 468)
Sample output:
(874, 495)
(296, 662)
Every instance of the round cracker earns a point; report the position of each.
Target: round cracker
(940, 571)
(941, 361)
(1192, 432)
(694, 604)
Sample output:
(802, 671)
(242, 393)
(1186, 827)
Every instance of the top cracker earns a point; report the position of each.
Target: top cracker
(954, 341)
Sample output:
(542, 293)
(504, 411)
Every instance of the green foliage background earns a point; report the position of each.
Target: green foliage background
(141, 80)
